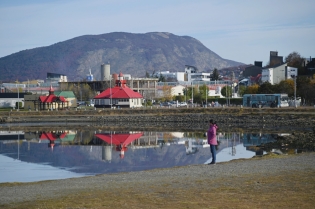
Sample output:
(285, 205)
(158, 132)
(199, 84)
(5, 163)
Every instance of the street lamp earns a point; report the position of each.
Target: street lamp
(18, 99)
(206, 96)
(294, 77)
(185, 93)
(232, 93)
(18, 102)
(295, 90)
(80, 93)
(145, 100)
(110, 92)
(226, 95)
(192, 94)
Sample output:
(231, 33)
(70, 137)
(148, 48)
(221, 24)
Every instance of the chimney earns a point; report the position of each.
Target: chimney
(258, 63)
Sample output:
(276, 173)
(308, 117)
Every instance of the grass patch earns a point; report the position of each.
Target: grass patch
(284, 190)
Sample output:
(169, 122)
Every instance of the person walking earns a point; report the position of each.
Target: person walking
(212, 140)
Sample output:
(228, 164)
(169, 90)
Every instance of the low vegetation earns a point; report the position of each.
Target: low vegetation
(284, 190)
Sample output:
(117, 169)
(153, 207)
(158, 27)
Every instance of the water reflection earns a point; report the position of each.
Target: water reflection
(119, 140)
(73, 153)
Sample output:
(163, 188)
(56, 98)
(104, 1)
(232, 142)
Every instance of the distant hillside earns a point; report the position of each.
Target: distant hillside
(128, 53)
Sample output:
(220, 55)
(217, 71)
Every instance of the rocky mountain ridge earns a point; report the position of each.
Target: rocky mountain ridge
(128, 53)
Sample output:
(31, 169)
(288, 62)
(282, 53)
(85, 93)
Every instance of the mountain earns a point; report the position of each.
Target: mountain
(128, 53)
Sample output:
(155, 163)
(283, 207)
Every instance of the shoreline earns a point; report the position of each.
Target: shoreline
(257, 175)
(177, 118)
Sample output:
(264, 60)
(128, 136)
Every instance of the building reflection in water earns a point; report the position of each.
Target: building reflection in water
(119, 140)
(193, 145)
(99, 151)
(54, 136)
(252, 140)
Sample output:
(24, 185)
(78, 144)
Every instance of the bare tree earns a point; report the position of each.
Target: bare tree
(167, 92)
(294, 59)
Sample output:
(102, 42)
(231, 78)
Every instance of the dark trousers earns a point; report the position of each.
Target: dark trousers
(213, 152)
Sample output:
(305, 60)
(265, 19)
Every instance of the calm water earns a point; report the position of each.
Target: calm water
(37, 156)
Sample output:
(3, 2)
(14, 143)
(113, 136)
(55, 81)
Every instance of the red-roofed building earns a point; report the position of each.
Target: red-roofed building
(51, 137)
(52, 101)
(120, 140)
(119, 96)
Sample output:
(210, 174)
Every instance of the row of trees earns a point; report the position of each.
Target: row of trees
(197, 93)
(82, 92)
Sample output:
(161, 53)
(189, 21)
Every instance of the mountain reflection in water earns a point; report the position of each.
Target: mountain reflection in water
(65, 154)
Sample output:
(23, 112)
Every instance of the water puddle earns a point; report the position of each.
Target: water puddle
(37, 156)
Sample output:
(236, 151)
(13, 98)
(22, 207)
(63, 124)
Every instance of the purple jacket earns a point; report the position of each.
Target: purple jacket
(212, 135)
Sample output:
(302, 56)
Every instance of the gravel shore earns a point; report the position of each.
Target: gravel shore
(232, 174)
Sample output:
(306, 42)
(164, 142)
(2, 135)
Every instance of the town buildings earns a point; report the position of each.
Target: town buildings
(118, 97)
(273, 73)
(149, 88)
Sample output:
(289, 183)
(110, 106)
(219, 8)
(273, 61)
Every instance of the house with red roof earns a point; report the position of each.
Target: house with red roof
(121, 96)
(52, 101)
(51, 137)
(120, 140)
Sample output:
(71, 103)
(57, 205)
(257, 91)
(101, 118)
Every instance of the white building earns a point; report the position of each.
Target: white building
(39, 88)
(55, 78)
(194, 75)
(198, 77)
(177, 90)
(193, 145)
(11, 99)
(291, 72)
(189, 75)
(215, 90)
(267, 75)
(127, 76)
(190, 69)
(277, 74)
(274, 75)
(179, 76)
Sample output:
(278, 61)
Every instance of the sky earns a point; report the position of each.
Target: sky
(15, 170)
(243, 30)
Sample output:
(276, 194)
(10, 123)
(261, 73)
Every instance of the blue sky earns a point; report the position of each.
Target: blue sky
(243, 30)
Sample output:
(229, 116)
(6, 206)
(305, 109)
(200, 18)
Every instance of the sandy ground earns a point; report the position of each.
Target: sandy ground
(285, 181)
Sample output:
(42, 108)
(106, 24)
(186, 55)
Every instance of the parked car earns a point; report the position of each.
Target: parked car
(81, 103)
(182, 104)
(166, 104)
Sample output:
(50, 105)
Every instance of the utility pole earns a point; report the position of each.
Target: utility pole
(81, 92)
(185, 93)
(192, 94)
(294, 77)
(226, 95)
(18, 102)
(206, 96)
(110, 92)
(294, 90)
